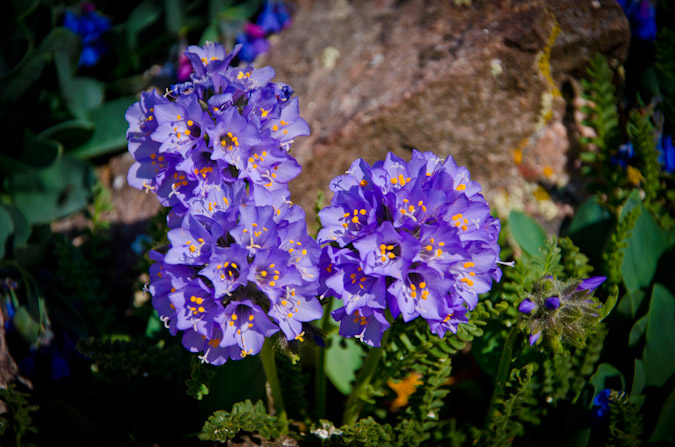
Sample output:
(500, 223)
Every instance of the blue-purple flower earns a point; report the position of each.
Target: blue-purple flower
(90, 26)
(414, 239)
(240, 265)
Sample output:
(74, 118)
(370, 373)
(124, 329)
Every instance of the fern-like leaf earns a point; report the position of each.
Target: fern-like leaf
(245, 416)
(17, 421)
(618, 241)
(200, 379)
(366, 432)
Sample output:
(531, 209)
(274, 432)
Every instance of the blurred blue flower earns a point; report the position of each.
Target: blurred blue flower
(641, 15)
(90, 26)
(274, 17)
(601, 405)
(667, 153)
(624, 156)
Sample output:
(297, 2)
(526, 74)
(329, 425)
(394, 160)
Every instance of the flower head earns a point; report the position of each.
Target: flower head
(561, 310)
(90, 26)
(414, 238)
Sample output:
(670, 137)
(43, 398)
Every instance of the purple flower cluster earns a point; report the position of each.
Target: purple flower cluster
(240, 264)
(416, 238)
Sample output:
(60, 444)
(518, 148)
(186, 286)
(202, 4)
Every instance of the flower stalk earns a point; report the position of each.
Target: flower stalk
(269, 365)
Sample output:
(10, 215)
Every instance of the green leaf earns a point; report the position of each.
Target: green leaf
(109, 131)
(527, 233)
(174, 15)
(658, 357)
(6, 228)
(630, 303)
(645, 246)
(54, 192)
(666, 422)
(20, 225)
(235, 382)
(28, 72)
(638, 330)
(82, 95)
(154, 325)
(604, 372)
(590, 228)
(26, 324)
(344, 357)
(639, 376)
(144, 15)
(70, 133)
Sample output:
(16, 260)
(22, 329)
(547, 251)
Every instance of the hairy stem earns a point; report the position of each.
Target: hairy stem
(355, 401)
(320, 363)
(269, 365)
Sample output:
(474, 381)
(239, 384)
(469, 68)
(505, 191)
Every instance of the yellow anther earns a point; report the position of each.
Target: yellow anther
(355, 219)
(363, 182)
(461, 188)
(363, 212)
(290, 315)
(468, 264)
(190, 122)
(234, 317)
(394, 180)
(275, 128)
(251, 317)
(272, 283)
(391, 255)
(423, 285)
(263, 273)
(457, 216)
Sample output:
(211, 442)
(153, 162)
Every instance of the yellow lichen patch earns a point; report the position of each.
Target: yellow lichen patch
(404, 389)
(541, 194)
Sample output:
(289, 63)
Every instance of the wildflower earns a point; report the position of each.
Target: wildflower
(90, 26)
(557, 309)
(414, 238)
(274, 17)
(641, 15)
(667, 153)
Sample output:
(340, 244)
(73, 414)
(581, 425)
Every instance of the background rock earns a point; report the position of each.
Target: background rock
(473, 82)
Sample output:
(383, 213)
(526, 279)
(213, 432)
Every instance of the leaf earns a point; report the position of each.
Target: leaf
(6, 228)
(666, 421)
(235, 382)
(638, 330)
(174, 15)
(82, 95)
(143, 15)
(20, 224)
(344, 357)
(54, 192)
(639, 375)
(17, 82)
(109, 131)
(36, 152)
(630, 303)
(645, 246)
(26, 325)
(590, 228)
(70, 133)
(527, 233)
(602, 373)
(658, 357)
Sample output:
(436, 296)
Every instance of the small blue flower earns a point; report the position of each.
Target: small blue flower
(624, 156)
(667, 153)
(90, 26)
(641, 15)
(601, 404)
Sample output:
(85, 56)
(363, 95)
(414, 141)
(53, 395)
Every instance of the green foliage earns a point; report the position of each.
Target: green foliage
(625, 422)
(642, 136)
(134, 357)
(603, 117)
(574, 262)
(17, 422)
(293, 381)
(366, 432)
(511, 411)
(618, 241)
(200, 378)
(245, 416)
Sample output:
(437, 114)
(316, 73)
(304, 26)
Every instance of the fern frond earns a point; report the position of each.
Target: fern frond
(625, 421)
(17, 421)
(245, 416)
(642, 136)
(293, 383)
(366, 432)
(618, 241)
(509, 414)
(575, 263)
(200, 378)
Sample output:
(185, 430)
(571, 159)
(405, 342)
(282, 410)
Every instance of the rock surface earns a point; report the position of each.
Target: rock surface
(473, 82)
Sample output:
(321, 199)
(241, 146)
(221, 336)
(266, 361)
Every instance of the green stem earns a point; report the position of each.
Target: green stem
(320, 364)
(267, 356)
(504, 366)
(355, 401)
